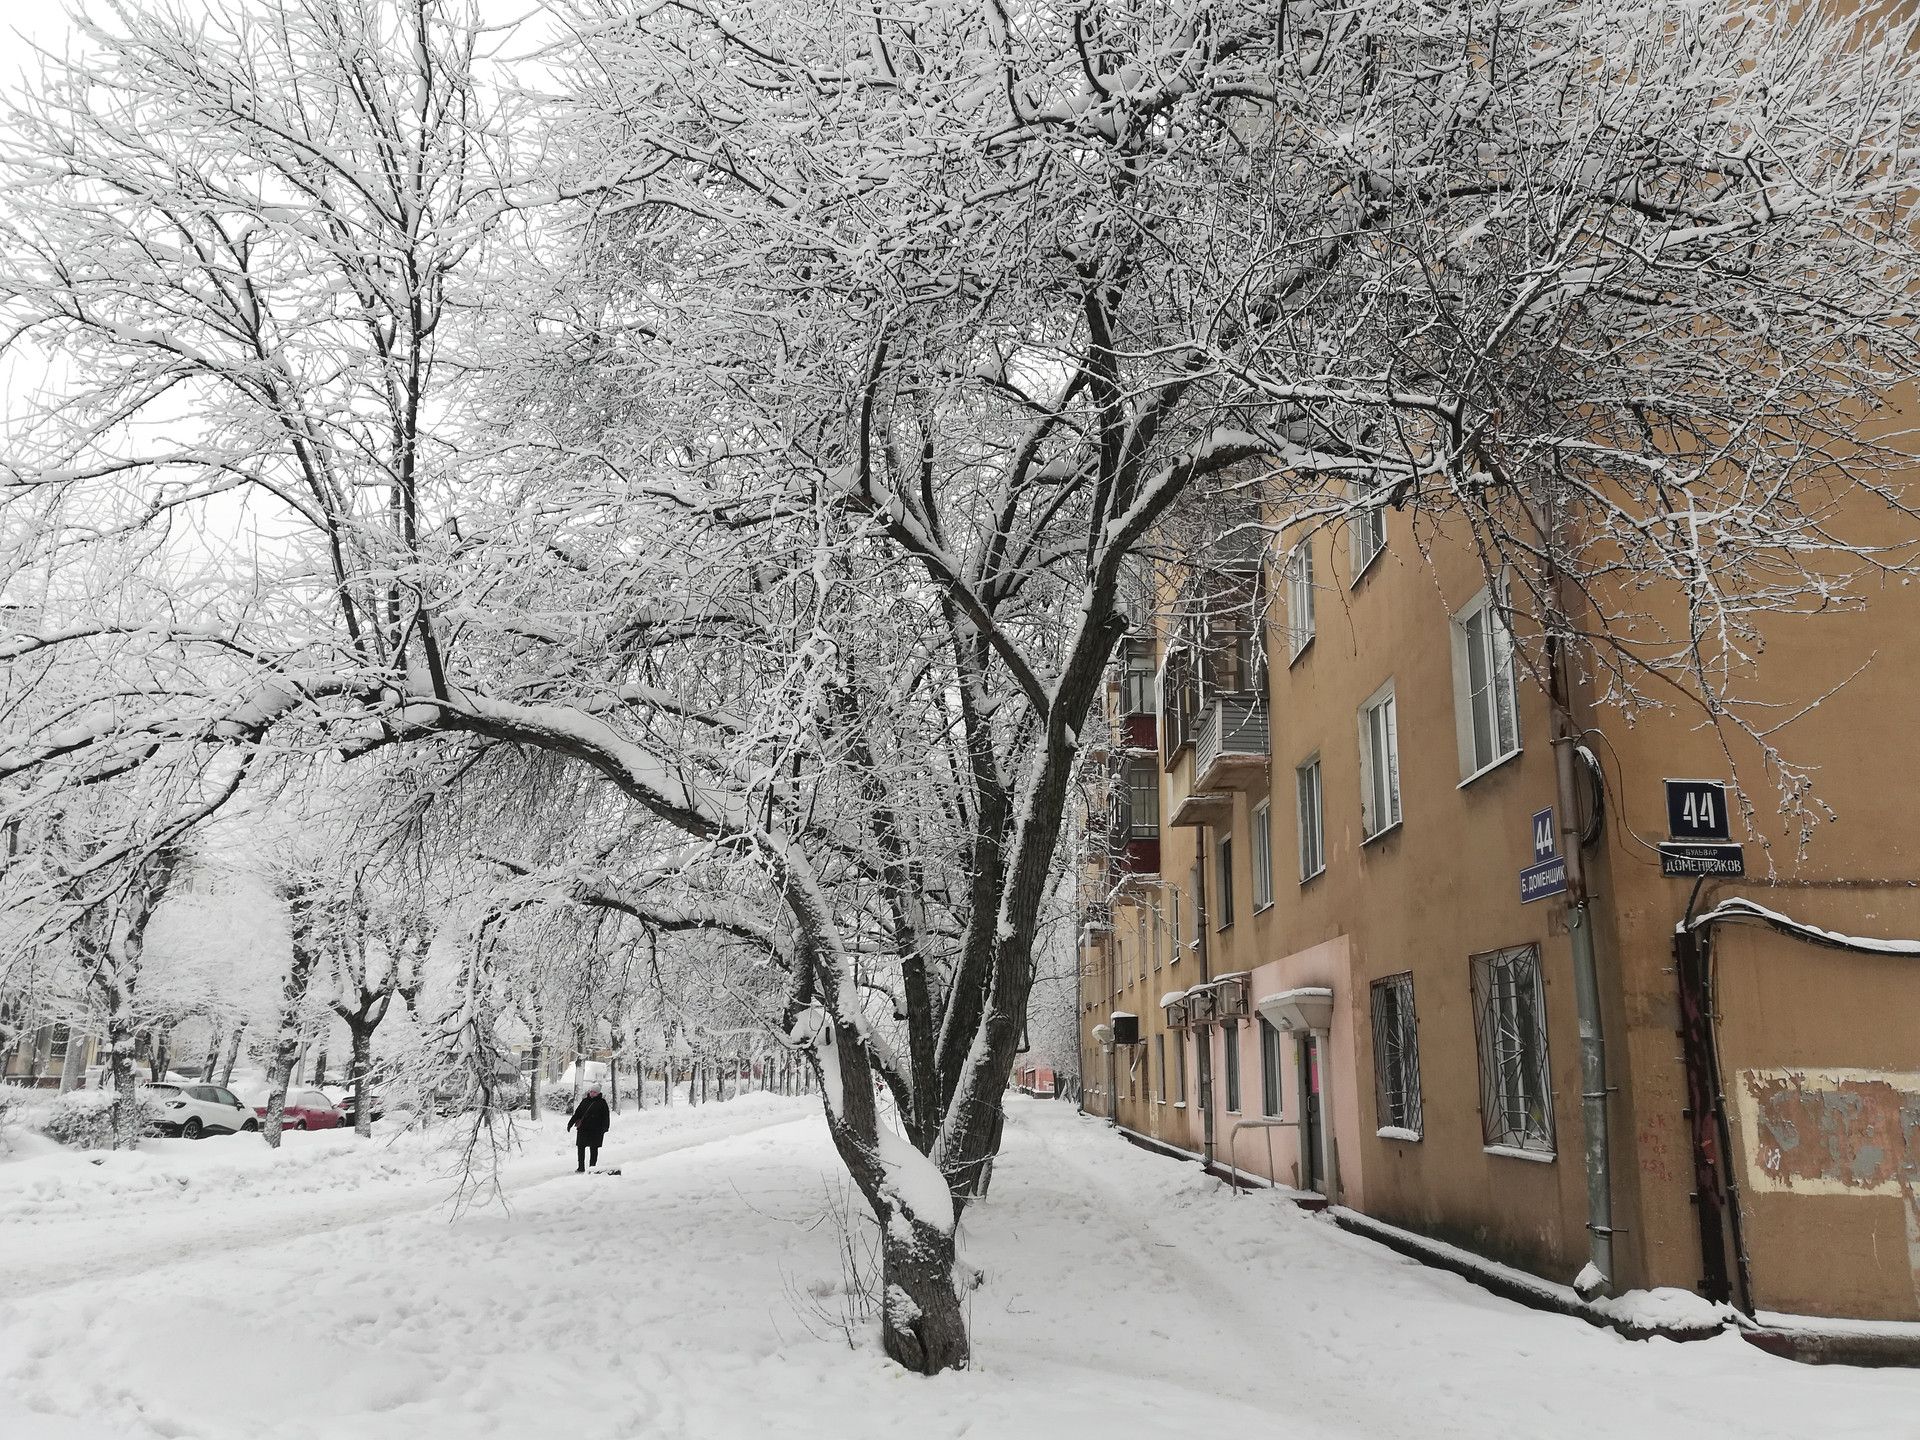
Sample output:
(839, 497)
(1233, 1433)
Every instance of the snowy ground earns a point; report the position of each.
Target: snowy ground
(216, 1290)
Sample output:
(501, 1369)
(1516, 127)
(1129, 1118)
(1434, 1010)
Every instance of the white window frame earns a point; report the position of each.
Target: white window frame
(1300, 618)
(1366, 531)
(1516, 1068)
(1495, 704)
(1262, 848)
(1311, 819)
(1230, 1065)
(1223, 916)
(1178, 940)
(1380, 809)
(1273, 1071)
(1160, 1054)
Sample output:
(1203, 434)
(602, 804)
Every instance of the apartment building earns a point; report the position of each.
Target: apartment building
(1325, 923)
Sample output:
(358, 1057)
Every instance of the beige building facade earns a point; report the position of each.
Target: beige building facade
(1324, 897)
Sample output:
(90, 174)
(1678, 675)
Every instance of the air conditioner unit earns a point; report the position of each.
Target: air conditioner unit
(1230, 996)
(1126, 1028)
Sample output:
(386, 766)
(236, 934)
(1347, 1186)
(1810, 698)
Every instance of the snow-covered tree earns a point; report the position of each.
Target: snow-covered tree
(795, 511)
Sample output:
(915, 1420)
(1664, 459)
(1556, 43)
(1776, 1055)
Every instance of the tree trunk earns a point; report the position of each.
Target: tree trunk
(233, 1053)
(211, 1066)
(160, 1055)
(922, 1326)
(362, 1063)
(126, 1130)
(533, 1082)
(320, 1066)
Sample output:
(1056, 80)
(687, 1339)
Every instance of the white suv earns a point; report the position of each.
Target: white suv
(195, 1110)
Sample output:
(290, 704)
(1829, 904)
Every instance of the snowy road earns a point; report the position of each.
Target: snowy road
(90, 1245)
(697, 1295)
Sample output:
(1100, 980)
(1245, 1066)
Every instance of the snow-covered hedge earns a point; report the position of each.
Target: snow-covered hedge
(83, 1119)
(9, 1117)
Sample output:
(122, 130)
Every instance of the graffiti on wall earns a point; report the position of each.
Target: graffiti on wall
(1835, 1132)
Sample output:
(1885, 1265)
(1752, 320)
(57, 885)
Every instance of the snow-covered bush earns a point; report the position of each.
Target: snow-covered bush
(83, 1119)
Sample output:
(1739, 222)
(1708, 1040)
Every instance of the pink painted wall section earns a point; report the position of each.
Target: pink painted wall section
(1330, 965)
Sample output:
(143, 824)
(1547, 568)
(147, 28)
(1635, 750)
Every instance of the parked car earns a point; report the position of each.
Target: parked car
(191, 1111)
(305, 1108)
(341, 1097)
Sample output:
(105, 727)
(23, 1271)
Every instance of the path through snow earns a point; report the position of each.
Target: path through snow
(1122, 1293)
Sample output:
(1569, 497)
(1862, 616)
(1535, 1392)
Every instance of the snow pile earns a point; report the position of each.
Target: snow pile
(1665, 1308)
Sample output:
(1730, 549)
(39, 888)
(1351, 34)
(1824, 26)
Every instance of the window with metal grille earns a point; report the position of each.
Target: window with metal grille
(1510, 1019)
(57, 1047)
(1230, 1058)
(1180, 1067)
(1269, 1069)
(1396, 1056)
(1160, 1056)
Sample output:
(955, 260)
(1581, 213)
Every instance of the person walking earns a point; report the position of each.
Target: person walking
(589, 1123)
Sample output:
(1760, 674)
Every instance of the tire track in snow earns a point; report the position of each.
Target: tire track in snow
(215, 1230)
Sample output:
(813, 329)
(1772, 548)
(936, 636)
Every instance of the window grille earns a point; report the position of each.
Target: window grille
(1180, 1066)
(1160, 1056)
(1396, 1054)
(1509, 1011)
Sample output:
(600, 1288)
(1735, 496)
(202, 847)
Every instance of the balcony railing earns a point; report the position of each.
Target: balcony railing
(1230, 752)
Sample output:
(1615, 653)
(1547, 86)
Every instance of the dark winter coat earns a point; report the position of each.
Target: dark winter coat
(591, 1118)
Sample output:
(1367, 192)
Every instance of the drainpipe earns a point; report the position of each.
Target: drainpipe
(1586, 981)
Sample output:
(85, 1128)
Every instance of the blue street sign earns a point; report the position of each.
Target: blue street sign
(1537, 882)
(1697, 810)
(1544, 847)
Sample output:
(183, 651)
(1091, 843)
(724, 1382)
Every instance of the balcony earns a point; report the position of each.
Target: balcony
(1230, 752)
(1136, 856)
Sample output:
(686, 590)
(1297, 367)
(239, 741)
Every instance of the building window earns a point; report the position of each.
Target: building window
(1486, 712)
(57, 1046)
(1313, 842)
(1379, 763)
(1137, 680)
(1299, 576)
(1223, 873)
(1177, 940)
(1366, 529)
(1396, 1057)
(1180, 1066)
(1230, 1037)
(1262, 855)
(1140, 941)
(1143, 800)
(1160, 1058)
(1269, 1069)
(1510, 1018)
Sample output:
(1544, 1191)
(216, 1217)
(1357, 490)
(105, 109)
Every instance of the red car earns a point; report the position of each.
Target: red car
(305, 1109)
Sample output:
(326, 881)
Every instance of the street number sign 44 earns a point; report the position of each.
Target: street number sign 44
(1697, 810)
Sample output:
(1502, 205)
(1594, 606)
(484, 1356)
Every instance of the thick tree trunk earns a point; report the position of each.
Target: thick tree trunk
(124, 1115)
(211, 1066)
(362, 1090)
(161, 1055)
(922, 1326)
(286, 1052)
(320, 1066)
